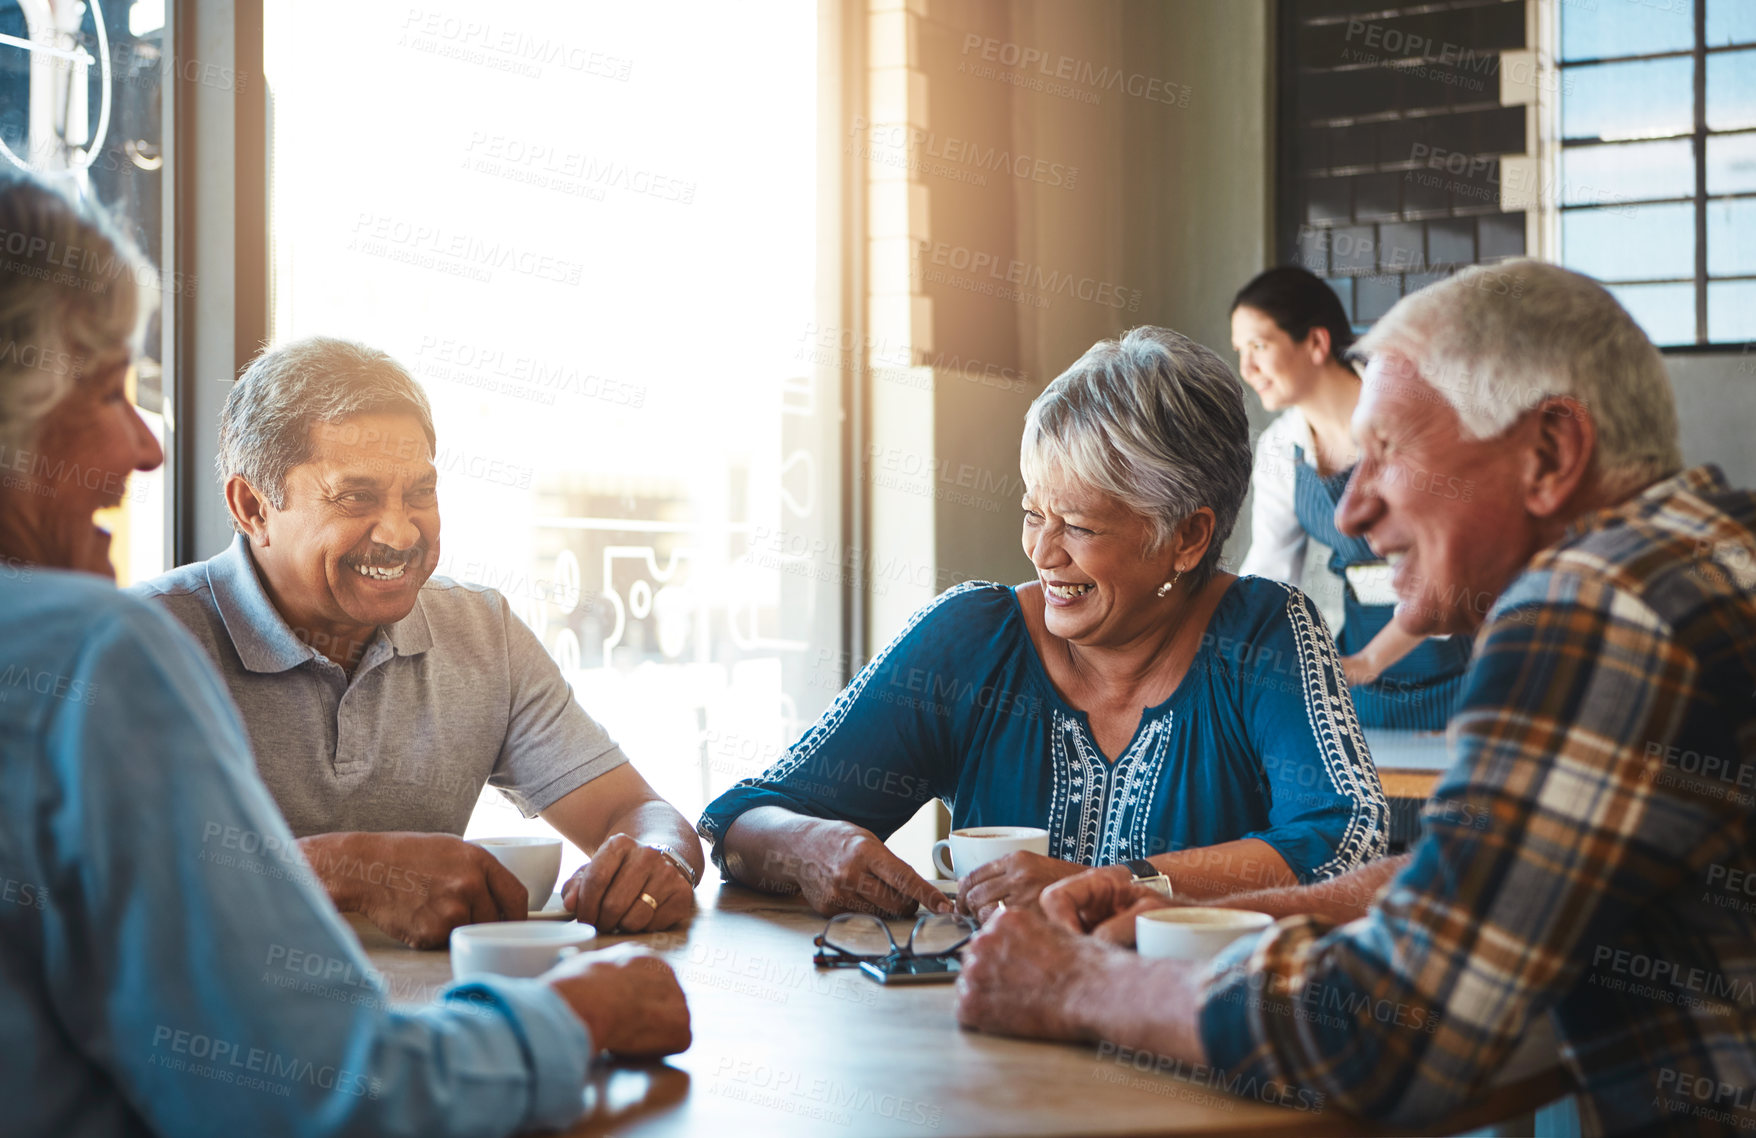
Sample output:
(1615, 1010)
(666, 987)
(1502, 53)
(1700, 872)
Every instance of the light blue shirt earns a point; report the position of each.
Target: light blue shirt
(168, 964)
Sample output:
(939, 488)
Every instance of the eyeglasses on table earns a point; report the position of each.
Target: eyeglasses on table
(852, 939)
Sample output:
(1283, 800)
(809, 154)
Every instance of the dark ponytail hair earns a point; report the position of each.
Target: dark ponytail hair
(1298, 301)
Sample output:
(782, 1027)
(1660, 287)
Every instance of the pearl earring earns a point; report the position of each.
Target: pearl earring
(1164, 590)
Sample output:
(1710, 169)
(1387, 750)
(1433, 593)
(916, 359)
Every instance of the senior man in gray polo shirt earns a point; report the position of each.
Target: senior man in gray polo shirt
(381, 699)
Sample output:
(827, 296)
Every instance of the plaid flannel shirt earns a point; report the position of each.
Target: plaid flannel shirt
(1587, 856)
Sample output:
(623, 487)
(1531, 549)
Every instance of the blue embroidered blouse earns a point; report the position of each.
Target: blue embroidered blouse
(1259, 741)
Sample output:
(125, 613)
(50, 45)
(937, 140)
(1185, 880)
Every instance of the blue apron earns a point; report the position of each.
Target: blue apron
(1419, 691)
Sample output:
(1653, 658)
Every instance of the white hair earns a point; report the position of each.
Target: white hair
(1496, 340)
(73, 289)
(1153, 420)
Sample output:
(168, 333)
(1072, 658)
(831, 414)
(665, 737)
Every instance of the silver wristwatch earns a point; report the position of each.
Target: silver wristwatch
(678, 860)
(1147, 874)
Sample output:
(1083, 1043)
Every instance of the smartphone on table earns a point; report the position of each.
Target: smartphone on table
(911, 970)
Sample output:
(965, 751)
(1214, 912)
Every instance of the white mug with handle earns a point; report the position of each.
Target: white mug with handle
(979, 845)
(535, 861)
(1193, 933)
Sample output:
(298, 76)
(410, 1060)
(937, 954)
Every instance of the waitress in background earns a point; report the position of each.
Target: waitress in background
(1290, 334)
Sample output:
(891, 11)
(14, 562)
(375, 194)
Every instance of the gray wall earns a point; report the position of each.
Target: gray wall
(1716, 411)
(1171, 201)
(1175, 202)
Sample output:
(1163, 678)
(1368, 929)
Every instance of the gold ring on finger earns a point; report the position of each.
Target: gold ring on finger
(647, 897)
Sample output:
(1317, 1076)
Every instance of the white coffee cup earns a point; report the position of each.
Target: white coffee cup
(1193, 933)
(534, 861)
(979, 845)
(515, 948)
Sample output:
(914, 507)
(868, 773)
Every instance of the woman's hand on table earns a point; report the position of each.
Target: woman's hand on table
(629, 1000)
(847, 869)
(1017, 879)
(1102, 902)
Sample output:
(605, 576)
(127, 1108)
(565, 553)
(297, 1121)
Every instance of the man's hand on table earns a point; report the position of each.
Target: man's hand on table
(629, 1000)
(1026, 975)
(607, 891)
(1018, 879)
(846, 869)
(416, 887)
(1022, 975)
(1102, 902)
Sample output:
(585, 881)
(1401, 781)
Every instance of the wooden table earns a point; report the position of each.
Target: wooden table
(783, 1049)
(1409, 762)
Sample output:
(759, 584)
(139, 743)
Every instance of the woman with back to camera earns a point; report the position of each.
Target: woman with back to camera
(1291, 337)
(1133, 699)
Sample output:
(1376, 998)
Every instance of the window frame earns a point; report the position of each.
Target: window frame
(220, 230)
(1554, 143)
(124, 63)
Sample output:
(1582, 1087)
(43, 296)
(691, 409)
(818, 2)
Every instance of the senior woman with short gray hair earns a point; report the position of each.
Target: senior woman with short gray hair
(1134, 700)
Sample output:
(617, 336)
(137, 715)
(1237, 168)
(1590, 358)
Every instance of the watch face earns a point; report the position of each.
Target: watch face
(1149, 875)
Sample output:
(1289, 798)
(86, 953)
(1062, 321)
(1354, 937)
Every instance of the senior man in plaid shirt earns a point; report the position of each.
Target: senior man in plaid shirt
(1587, 855)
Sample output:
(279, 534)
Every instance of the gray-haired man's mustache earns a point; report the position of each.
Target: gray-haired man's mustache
(387, 557)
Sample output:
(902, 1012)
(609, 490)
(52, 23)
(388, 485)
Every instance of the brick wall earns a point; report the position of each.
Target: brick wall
(1390, 138)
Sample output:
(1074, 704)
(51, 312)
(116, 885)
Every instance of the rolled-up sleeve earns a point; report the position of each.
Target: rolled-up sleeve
(1277, 539)
(1327, 813)
(1548, 836)
(193, 956)
(553, 746)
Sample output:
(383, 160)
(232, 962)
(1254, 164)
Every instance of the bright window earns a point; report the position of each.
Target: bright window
(595, 242)
(1658, 161)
